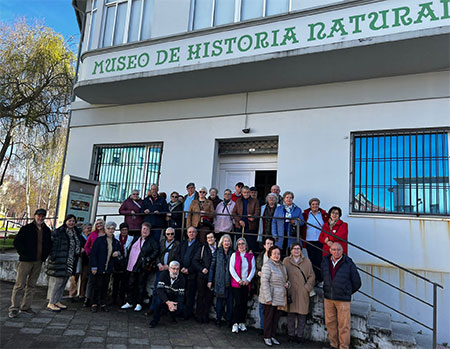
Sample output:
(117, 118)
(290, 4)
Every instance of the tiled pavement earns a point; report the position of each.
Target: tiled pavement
(77, 327)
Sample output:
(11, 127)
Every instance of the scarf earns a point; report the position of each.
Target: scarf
(332, 223)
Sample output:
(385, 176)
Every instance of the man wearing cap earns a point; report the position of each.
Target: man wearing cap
(191, 195)
(33, 243)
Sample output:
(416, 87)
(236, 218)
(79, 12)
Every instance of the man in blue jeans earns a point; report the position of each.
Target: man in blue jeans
(169, 293)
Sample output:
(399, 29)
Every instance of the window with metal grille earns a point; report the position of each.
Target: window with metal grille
(122, 168)
(404, 172)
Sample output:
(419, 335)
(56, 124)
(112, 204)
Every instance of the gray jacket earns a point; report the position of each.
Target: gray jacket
(272, 284)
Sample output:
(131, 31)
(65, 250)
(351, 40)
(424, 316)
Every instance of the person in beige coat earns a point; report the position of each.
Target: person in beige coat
(272, 293)
(302, 278)
(201, 214)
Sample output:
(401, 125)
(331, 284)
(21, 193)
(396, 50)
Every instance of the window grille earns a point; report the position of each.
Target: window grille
(122, 168)
(263, 146)
(404, 172)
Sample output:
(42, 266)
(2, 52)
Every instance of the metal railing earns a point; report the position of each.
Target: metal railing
(297, 223)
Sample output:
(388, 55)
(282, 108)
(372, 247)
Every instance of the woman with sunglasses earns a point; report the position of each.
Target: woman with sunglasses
(174, 217)
(200, 216)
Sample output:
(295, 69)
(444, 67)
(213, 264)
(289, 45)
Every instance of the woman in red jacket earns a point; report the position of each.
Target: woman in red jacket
(337, 227)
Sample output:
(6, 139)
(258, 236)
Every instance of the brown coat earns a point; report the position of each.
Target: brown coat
(193, 219)
(299, 289)
(253, 209)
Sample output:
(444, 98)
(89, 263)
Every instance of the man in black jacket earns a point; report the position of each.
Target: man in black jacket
(170, 291)
(188, 249)
(340, 280)
(33, 244)
(155, 207)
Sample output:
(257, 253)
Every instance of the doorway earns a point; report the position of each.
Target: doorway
(263, 182)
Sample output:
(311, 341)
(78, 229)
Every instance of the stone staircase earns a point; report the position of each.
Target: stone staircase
(370, 328)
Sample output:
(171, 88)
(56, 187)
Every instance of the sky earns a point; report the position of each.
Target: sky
(56, 14)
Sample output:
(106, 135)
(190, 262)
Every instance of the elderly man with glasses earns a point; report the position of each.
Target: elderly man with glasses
(169, 293)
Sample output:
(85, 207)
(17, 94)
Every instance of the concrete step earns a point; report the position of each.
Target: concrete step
(379, 321)
(423, 340)
(360, 309)
(360, 313)
(403, 335)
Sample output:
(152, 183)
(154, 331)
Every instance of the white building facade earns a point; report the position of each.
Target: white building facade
(348, 101)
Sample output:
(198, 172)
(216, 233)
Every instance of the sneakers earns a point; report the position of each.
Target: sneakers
(138, 307)
(28, 311)
(268, 342)
(235, 328)
(53, 308)
(126, 306)
(312, 293)
(13, 313)
(275, 341)
(242, 327)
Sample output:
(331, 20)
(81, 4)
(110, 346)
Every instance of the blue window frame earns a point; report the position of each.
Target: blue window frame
(404, 172)
(122, 168)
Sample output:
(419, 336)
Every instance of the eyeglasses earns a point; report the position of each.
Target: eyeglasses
(202, 192)
(135, 194)
(241, 243)
(174, 196)
(170, 234)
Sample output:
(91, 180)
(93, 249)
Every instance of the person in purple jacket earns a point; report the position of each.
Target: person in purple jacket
(128, 208)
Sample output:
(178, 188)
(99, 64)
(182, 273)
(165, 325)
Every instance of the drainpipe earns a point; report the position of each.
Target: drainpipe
(77, 67)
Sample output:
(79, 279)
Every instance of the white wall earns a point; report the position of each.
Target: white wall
(313, 160)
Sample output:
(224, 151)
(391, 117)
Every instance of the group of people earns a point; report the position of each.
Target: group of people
(232, 249)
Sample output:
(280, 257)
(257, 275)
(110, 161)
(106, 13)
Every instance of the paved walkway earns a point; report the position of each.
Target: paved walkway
(77, 327)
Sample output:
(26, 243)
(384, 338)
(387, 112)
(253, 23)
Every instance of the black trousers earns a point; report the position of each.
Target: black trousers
(101, 283)
(120, 286)
(137, 285)
(190, 292)
(204, 298)
(271, 318)
(240, 300)
(315, 256)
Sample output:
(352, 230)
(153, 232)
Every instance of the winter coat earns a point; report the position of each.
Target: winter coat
(99, 255)
(157, 220)
(26, 242)
(215, 202)
(300, 285)
(187, 254)
(176, 215)
(272, 284)
(90, 242)
(134, 222)
(278, 225)
(59, 253)
(166, 291)
(148, 255)
(202, 260)
(325, 218)
(219, 272)
(173, 252)
(194, 219)
(339, 229)
(253, 209)
(224, 223)
(261, 233)
(346, 279)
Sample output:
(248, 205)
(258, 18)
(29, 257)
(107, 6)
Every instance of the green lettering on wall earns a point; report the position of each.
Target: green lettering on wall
(275, 38)
(357, 19)
(229, 42)
(132, 62)
(245, 43)
(217, 48)
(121, 63)
(289, 35)
(337, 27)
(161, 57)
(261, 40)
(320, 34)
(98, 65)
(109, 65)
(206, 49)
(401, 16)
(195, 52)
(375, 16)
(446, 10)
(143, 60)
(174, 55)
(426, 11)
